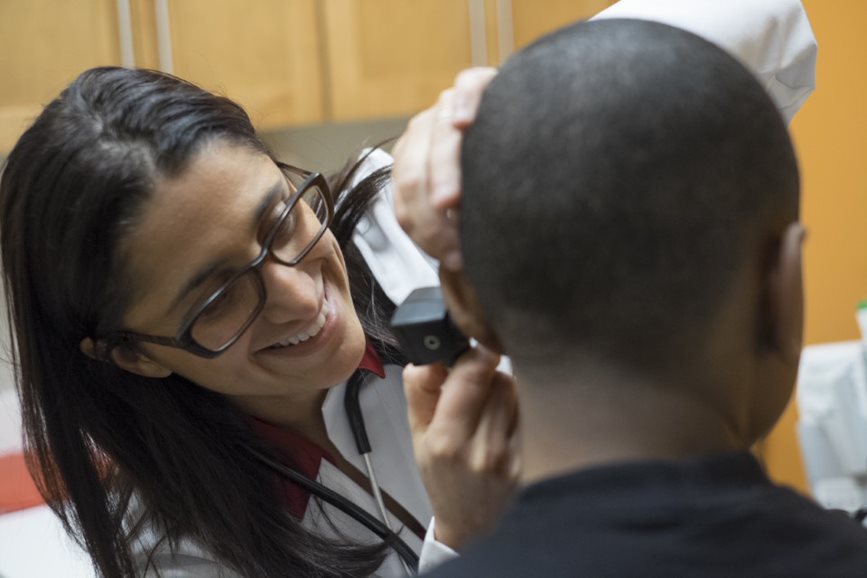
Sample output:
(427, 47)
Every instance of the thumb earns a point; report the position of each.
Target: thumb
(422, 385)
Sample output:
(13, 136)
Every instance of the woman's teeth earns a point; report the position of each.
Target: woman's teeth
(308, 332)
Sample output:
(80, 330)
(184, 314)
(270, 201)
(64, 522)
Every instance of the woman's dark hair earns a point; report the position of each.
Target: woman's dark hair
(96, 436)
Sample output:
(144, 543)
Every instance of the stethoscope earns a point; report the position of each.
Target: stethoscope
(382, 528)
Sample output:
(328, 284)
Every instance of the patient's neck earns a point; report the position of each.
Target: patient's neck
(597, 421)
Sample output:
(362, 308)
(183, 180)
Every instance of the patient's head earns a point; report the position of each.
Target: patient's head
(627, 192)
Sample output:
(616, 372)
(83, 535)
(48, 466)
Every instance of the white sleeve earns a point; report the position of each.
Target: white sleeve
(433, 553)
(394, 259)
(773, 38)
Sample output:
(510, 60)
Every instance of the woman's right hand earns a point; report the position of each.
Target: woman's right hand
(464, 426)
(427, 170)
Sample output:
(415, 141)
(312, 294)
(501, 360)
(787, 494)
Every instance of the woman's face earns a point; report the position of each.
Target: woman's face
(210, 219)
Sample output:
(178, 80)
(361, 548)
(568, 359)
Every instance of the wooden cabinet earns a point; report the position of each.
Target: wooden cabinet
(44, 44)
(513, 24)
(264, 54)
(288, 62)
(532, 18)
(393, 57)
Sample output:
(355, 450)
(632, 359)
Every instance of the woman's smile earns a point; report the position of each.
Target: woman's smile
(317, 335)
(311, 331)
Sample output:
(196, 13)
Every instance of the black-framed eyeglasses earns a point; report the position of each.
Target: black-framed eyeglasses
(215, 324)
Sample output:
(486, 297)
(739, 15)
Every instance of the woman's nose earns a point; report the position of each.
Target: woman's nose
(292, 293)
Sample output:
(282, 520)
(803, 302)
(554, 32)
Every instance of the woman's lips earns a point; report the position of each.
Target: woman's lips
(329, 318)
(307, 333)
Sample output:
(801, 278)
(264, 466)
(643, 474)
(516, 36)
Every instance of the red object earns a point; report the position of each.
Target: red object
(304, 455)
(372, 362)
(17, 490)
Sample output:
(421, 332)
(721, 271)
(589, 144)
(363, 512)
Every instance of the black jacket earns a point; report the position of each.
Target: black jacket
(715, 516)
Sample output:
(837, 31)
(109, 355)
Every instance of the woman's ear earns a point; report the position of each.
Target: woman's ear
(127, 358)
(786, 295)
(465, 311)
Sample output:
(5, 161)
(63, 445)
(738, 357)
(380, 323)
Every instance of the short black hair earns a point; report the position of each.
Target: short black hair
(613, 183)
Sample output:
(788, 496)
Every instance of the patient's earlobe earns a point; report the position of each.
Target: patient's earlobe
(465, 311)
(786, 295)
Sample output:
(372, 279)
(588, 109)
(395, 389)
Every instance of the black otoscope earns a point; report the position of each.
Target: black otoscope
(425, 331)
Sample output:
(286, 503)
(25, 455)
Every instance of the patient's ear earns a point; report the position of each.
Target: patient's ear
(465, 311)
(779, 332)
(127, 358)
(785, 289)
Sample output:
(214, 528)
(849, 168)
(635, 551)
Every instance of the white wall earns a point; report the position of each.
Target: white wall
(6, 379)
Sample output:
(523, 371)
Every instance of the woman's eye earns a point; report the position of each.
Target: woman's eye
(217, 306)
(286, 229)
(267, 227)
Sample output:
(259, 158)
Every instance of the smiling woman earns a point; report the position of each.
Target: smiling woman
(187, 312)
(234, 283)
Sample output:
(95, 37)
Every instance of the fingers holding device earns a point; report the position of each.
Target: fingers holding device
(463, 420)
(464, 429)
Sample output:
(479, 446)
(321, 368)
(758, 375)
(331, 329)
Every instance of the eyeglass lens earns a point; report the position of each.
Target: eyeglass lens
(229, 312)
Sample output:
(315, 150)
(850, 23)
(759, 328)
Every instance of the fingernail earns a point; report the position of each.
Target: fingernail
(442, 192)
(453, 261)
(487, 356)
(446, 114)
(462, 112)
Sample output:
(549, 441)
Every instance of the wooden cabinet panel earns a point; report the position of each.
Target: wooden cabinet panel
(44, 45)
(144, 38)
(393, 57)
(533, 18)
(264, 54)
(288, 62)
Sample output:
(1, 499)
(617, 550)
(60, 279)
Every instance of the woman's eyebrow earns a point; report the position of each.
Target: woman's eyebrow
(272, 194)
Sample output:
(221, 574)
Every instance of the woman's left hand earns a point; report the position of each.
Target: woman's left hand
(427, 169)
(464, 426)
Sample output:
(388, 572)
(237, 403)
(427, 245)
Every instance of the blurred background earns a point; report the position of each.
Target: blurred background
(318, 77)
(323, 78)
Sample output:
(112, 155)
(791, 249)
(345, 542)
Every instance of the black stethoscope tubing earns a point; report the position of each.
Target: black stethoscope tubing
(359, 432)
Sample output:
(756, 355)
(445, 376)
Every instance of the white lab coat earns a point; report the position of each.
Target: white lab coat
(771, 37)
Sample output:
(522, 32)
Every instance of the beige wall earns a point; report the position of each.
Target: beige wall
(831, 136)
